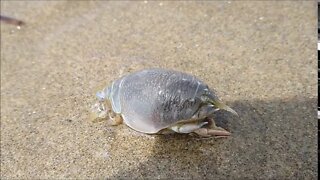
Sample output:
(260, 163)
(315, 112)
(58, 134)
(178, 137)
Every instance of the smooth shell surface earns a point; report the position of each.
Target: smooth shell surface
(154, 99)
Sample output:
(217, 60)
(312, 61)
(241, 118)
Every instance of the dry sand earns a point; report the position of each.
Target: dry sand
(259, 56)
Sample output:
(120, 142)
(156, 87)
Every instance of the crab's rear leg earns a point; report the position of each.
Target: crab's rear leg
(187, 127)
(205, 132)
(213, 130)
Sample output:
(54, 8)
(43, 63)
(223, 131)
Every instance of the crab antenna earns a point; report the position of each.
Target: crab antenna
(101, 95)
(221, 105)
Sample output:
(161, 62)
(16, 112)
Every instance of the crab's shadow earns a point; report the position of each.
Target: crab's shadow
(261, 143)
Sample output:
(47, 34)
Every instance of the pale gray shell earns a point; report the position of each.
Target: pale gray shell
(154, 99)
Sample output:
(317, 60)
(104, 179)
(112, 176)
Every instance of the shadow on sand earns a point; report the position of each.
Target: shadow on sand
(275, 139)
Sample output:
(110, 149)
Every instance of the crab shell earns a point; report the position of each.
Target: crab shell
(155, 99)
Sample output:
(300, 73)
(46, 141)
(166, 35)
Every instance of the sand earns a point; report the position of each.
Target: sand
(259, 56)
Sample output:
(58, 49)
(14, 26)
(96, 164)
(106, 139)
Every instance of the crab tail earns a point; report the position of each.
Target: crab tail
(221, 105)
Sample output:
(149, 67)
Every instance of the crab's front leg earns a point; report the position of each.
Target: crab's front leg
(98, 112)
(115, 119)
(101, 112)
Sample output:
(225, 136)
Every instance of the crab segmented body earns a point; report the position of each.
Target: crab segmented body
(155, 99)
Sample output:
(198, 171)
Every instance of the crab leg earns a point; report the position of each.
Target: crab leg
(116, 119)
(187, 127)
(212, 132)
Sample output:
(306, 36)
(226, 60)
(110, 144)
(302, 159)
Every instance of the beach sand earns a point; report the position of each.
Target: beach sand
(259, 56)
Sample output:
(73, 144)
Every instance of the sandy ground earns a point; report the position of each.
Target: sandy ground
(259, 56)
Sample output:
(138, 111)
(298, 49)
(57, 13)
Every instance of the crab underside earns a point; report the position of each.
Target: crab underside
(204, 127)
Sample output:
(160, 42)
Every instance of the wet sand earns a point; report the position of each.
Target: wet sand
(259, 56)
